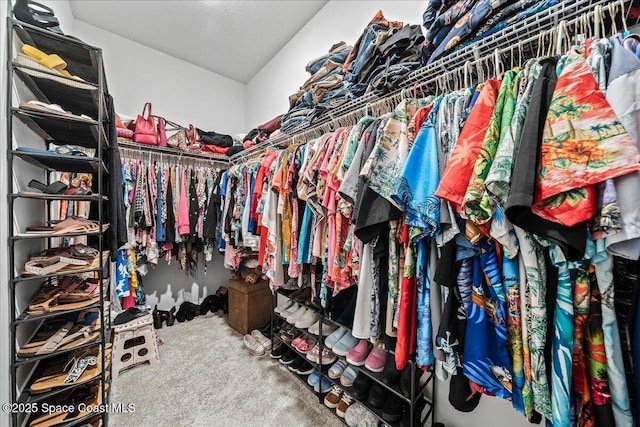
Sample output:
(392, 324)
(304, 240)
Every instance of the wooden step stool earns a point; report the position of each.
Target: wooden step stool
(134, 342)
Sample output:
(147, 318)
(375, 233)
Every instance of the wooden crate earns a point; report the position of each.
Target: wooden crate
(249, 305)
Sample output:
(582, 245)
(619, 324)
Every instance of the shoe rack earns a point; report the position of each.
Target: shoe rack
(418, 386)
(38, 130)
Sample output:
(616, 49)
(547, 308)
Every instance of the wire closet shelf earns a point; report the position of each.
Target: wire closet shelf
(524, 39)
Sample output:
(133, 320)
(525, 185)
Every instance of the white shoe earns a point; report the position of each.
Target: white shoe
(264, 341)
(252, 344)
(327, 328)
(281, 308)
(307, 319)
(289, 311)
(298, 314)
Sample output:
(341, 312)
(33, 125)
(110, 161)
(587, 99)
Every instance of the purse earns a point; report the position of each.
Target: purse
(145, 131)
(162, 132)
(179, 140)
(193, 138)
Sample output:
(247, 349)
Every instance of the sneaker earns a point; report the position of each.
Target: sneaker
(306, 368)
(361, 386)
(297, 340)
(334, 337)
(323, 386)
(377, 396)
(337, 369)
(327, 329)
(327, 357)
(369, 420)
(332, 399)
(264, 341)
(357, 355)
(297, 314)
(286, 304)
(354, 414)
(296, 365)
(278, 351)
(345, 403)
(252, 344)
(345, 344)
(348, 376)
(376, 360)
(288, 357)
(392, 410)
(307, 319)
(312, 354)
(313, 379)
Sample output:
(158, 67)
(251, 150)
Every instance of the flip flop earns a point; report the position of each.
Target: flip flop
(81, 368)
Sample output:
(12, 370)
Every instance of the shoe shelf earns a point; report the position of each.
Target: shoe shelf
(62, 162)
(27, 236)
(28, 81)
(48, 87)
(79, 421)
(82, 59)
(105, 258)
(19, 361)
(61, 130)
(57, 197)
(419, 387)
(27, 397)
(26, 318)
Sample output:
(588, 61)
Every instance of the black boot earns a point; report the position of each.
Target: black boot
(157, 318)
(169, 316)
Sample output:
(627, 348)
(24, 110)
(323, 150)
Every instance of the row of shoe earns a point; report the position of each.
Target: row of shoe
(188, 310)
(304, 318)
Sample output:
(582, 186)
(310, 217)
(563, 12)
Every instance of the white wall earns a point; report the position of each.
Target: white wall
(268, 91)
(267, 96)
(183, 93)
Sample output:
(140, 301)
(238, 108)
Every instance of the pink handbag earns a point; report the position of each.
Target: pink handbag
(162, 133)
(145, 131)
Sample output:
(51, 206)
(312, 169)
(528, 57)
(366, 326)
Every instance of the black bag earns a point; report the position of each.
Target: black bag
(214, 138)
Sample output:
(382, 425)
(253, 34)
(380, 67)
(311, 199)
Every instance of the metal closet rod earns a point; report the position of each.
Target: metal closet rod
(557, 39)
(134, 152)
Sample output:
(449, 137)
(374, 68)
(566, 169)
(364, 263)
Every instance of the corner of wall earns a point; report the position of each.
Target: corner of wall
(5, 364)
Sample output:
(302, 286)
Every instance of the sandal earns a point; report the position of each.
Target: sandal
(79, 402)
(55, 109)
(69, 225)
(80, 368)
(51, 62)
(42, 266)
(69, 336)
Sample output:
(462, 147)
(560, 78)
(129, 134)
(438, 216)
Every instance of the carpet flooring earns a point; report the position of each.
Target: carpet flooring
(207, 378)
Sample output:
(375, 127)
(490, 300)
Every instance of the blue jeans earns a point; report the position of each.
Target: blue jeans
(366, 51)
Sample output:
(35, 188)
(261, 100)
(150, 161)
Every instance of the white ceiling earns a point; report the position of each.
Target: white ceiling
(233, 38)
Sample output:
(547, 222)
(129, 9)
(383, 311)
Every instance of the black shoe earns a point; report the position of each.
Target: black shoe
(377, 396)
(361, 387)
(169, 316)
(277, 352)
(405, 379)
(392, 410)
(296, 365)
(306, 368)
(288, 357)
(157, 318)
(186, 311)
(390, 375)
(206, 305)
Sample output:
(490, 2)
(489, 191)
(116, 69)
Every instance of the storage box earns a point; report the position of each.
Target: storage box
(249, 305)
